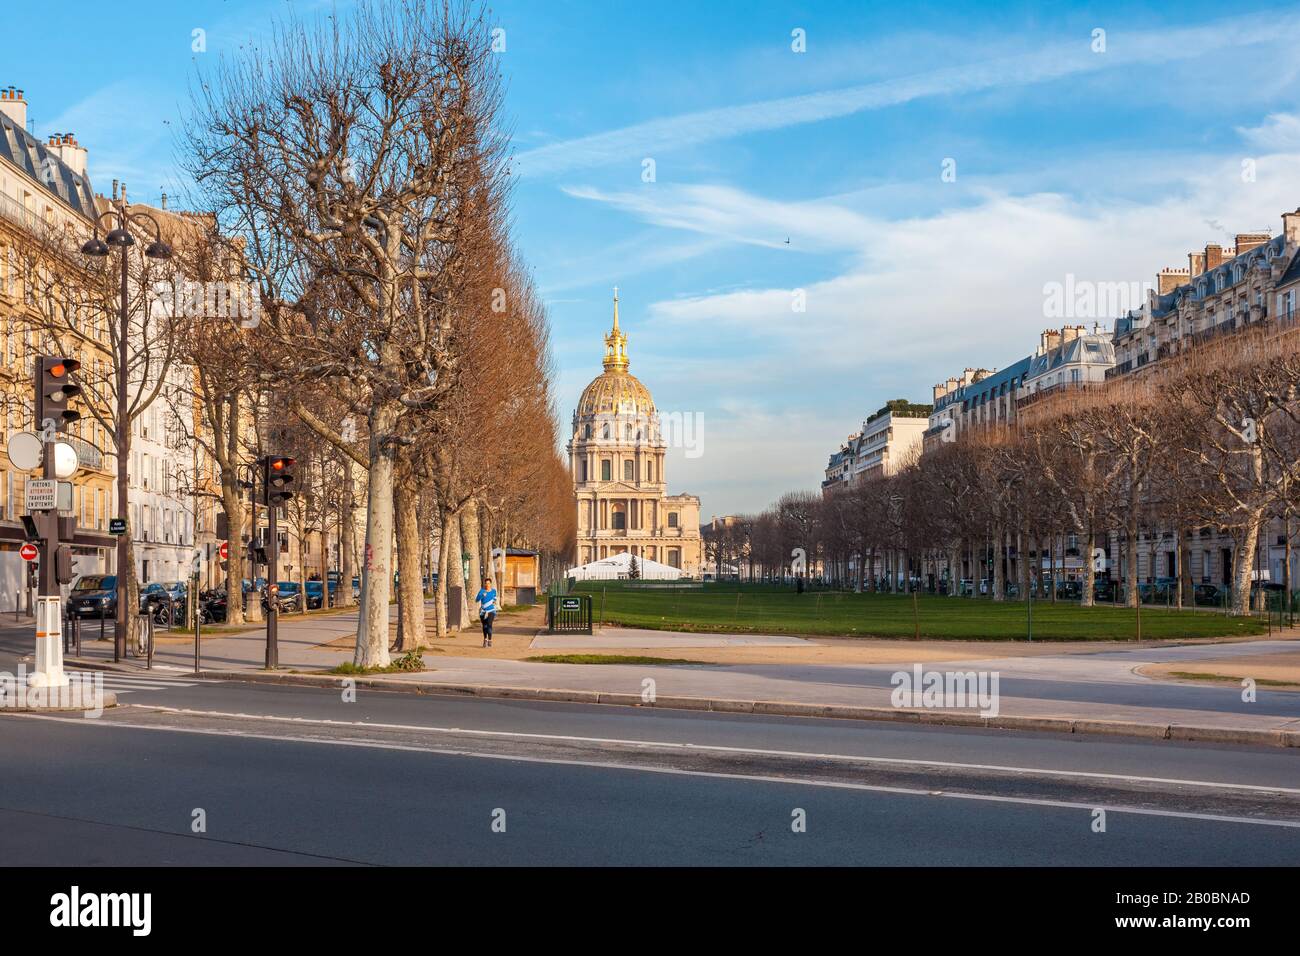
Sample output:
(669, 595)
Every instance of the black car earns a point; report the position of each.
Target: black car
(94, 595)
(1206, 595)
(1103, 589)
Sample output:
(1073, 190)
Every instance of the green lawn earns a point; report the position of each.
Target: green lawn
(762, 609)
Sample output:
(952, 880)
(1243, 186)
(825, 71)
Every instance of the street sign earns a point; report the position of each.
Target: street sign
(225, 550)
(28, 552)
(117, 526)
(42, 494)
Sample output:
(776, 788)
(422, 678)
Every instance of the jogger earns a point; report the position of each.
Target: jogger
(487, 610)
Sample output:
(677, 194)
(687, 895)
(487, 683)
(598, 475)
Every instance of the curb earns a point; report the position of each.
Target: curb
(108, 700)
(778, 708)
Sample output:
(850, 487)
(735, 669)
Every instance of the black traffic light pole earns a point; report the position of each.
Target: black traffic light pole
(272, 549)
(277, 476)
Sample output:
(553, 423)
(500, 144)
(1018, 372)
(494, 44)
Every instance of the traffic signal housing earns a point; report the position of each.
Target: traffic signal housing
(54, 389)
(279, 478)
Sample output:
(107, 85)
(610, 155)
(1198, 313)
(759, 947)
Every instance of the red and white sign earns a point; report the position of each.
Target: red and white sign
(225, 550)
(28, 552)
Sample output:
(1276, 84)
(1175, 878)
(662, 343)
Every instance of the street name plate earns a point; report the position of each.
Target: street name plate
(570, 604)
(42, 494)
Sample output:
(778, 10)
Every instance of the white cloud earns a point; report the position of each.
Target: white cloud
(1279, 131)
(655, 137)
(918, 299)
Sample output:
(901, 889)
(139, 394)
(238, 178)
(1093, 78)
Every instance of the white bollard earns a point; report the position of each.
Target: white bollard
(49, 644)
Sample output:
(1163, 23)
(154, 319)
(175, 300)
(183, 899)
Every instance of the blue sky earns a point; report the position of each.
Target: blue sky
(1102, 164)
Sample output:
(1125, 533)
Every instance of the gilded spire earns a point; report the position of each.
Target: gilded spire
(615, 344)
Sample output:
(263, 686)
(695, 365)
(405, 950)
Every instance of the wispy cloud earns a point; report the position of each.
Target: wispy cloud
(1279, 131)
(1050, 63)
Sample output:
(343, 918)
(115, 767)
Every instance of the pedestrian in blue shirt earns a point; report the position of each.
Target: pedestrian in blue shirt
(487, 609)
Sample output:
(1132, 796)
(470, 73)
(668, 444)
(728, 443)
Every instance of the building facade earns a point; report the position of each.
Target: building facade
(888, 440)
(616, 463)
(44, 191)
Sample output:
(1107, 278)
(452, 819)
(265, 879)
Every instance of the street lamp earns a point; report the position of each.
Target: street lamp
(120, 237)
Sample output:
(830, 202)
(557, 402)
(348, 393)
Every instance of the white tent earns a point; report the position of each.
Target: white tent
(617, 568)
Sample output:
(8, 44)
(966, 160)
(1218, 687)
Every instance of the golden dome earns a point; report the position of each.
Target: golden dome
(616, 391)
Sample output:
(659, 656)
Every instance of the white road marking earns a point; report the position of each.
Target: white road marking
(675, 771)
(126, 683)
(717, 748)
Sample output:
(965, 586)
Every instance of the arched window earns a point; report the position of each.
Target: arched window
(605, 434)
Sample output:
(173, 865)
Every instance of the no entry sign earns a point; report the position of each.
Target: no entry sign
(28, 552)
(225, 550)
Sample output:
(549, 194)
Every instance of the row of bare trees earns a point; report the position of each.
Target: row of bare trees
(354, 176)
(1203, 446)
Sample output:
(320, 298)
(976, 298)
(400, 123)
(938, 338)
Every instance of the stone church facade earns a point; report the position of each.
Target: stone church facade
(616, 462)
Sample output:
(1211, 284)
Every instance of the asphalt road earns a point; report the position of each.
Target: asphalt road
(289, 775)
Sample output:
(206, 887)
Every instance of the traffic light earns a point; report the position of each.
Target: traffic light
(63, 564)
(54, 389)
(279, 476)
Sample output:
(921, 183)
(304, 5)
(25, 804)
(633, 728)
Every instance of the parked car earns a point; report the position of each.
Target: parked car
(1103, 589)
(94, 595)
(315, 592)
(1207, 595)
(1070, 590)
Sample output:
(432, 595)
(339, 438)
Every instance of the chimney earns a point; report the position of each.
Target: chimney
(940, 391)
(1048, 340)
(1070, 333)
(14, 106)
(1167, 280)
(1291, 226)
(1195, 264)
(953, 384)
(1213, 256)
(1250, 240)
(66, 147)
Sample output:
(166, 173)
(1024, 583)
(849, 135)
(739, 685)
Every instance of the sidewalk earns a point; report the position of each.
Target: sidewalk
(1062, 682)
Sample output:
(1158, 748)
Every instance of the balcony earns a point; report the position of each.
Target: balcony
(18, 214)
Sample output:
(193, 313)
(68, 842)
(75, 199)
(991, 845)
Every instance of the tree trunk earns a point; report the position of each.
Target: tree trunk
(999, 552)
(440, 590)
(470, 542)
(1246, 564)
(456, 571)
(377, 572)
(1089, 570)
(1131, 572)
(410, 587)
(232, 502)
(347, 536)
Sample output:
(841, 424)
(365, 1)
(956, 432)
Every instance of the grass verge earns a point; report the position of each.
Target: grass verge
(607, 659)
